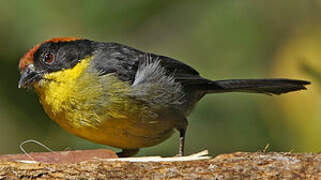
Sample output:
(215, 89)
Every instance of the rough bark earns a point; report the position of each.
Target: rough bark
(239, 165)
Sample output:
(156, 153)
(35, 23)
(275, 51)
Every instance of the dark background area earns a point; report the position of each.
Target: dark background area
(221, 39)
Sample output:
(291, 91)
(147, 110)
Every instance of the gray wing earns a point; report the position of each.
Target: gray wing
(136, 67)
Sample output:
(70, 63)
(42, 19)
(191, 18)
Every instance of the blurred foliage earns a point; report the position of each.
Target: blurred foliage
(312, 72)
(222, 39)
(300, 56)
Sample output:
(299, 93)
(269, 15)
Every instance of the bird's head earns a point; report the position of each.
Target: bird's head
(51, 56)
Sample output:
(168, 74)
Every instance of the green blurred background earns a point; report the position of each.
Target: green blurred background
(221, 39)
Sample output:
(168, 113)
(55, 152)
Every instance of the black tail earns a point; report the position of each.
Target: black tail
(266, 86)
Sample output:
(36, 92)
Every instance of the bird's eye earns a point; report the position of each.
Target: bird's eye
(49, 58)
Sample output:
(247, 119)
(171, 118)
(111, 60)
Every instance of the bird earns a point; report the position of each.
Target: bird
(117, 95)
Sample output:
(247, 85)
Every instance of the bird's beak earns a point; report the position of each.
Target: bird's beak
(29, 76)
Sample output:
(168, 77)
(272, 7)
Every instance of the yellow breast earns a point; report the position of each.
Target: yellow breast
(98, 108)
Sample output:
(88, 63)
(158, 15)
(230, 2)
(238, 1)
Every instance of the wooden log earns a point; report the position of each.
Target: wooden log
(239, 165)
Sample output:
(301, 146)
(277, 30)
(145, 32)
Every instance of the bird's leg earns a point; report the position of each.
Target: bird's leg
(127, 152)
(182, 130)
(181, 141)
